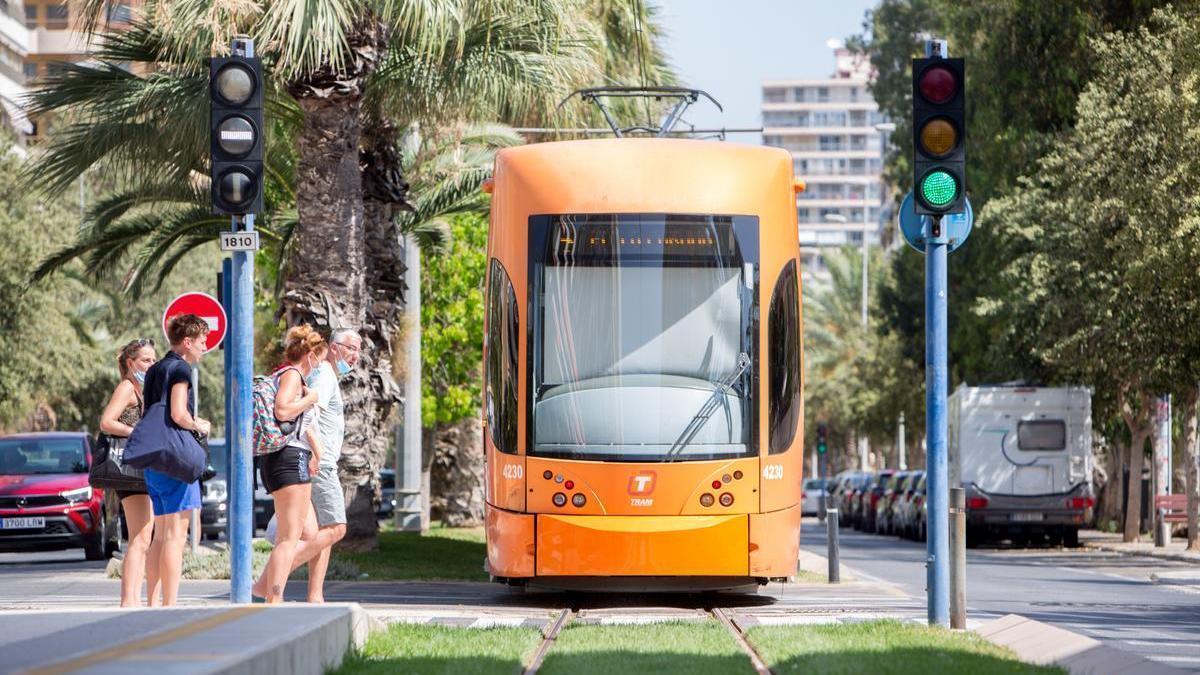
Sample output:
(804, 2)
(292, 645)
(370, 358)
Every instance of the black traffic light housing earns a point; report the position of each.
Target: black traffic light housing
(236, 134)
(939, 135)
(822, 441)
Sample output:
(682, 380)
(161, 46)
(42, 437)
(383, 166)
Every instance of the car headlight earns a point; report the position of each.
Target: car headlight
(75, 496)
(215, 490)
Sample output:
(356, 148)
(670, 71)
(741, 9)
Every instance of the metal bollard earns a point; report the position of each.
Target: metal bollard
(958, 558)
(831, 530)
(822, 508)
(1162, 530)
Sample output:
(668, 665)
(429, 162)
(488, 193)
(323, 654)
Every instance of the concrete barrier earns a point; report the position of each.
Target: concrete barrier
(246, 639)
(1043, 644)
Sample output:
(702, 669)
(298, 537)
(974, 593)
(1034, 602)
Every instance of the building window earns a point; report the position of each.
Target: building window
(31, 16)
(58, 17)
(500, 388)
(822, 94)
(31, 70)
(853, 94)
(799, 95)
(120, 13)
(784, 360)
(774, 95)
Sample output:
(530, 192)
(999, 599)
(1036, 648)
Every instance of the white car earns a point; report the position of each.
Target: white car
(811, 495)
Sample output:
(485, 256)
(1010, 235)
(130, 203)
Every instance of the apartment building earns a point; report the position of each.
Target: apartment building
(831, 127)
(37, 36)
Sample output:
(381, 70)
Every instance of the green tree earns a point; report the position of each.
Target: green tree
(1100, 239)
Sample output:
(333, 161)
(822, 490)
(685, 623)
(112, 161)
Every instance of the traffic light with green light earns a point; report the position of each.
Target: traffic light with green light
(822, 444)
(236, 127)
(939, 166)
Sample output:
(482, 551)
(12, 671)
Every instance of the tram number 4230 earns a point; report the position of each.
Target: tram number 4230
(239, 241)
(773, 472)
(513, 471)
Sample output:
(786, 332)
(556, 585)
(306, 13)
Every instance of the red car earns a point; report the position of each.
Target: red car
(46, 503)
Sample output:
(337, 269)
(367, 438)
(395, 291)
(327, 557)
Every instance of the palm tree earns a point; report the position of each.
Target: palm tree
(334, 234)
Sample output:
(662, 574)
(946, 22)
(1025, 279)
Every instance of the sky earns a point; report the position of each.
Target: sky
(728, 47)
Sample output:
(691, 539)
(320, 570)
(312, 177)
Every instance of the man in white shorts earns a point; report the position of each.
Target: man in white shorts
(328, 499)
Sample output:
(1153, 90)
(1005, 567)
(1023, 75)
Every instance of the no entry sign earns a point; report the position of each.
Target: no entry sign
(204, 306)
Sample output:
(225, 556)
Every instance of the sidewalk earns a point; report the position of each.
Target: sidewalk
(1111, 541)
(292, 638)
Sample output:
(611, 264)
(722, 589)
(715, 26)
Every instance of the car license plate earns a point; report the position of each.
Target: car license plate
(22, 523)
(1027, 517)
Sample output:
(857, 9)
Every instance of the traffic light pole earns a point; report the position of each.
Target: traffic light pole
(240, 425)
(936, 375)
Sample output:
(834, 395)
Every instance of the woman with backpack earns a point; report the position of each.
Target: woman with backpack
(287, 472)
(124, 409)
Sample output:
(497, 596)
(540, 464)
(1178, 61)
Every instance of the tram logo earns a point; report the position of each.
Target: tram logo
(642, 483)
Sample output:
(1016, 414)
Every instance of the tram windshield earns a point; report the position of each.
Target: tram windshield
(643, 336)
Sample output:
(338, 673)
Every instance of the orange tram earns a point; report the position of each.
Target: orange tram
(642, 399)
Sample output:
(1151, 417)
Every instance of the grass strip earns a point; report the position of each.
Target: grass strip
(435, 650)
(882, 648)
(442, 554)
(684, 647)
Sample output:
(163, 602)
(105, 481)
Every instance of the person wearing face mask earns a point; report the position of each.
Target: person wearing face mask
(287, 473)
(125, 407)
(326, 522)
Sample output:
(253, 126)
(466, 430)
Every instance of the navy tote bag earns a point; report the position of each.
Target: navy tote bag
(158, 444)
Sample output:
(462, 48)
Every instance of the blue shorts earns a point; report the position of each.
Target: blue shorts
(169, 495)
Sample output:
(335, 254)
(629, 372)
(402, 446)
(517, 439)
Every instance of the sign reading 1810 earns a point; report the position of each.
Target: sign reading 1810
(239, 241)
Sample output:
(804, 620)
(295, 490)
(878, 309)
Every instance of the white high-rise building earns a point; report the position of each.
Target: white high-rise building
(830, 127)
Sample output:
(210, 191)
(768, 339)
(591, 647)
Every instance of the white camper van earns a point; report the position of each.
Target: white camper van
(1024, 457)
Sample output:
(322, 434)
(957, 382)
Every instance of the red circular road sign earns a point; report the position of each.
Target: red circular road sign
(204, 306)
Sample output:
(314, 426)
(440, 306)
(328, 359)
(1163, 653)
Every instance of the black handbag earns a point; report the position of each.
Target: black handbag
(108, 470)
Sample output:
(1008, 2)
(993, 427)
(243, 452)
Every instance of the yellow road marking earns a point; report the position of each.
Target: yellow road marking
(146, 643)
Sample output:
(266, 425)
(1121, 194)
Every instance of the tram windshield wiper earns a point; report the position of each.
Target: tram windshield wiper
(720, 389)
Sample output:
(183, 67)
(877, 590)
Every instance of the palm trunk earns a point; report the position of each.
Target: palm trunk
(1192, 453)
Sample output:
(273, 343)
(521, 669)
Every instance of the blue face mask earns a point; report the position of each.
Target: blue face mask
(311, 380)
(343, 368)
(139, 376)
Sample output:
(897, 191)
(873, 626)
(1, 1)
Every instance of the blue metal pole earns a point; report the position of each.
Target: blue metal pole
(227, 302)
(241, 491)
(936, 385)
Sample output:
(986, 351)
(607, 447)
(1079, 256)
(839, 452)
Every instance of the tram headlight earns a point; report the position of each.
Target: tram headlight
(578, 500)
(726, 499)
(706, 500)
(559, 499)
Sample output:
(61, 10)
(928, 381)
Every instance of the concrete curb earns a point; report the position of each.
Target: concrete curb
(243, 639)
(1043, 644)
(1108, 548)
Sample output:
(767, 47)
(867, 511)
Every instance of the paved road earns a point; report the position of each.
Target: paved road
(1106, 596)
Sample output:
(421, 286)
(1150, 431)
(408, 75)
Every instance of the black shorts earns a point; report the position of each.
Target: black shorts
(288, 466)
(122, 494)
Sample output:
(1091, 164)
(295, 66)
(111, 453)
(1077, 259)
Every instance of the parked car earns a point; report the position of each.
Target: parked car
(869, 497)
(264, 507)
(813, 491)
(1026, 458)
(387, 494)
(46, 503)
(909, 498)
(848, 496)
(893, 487)
(214, 494)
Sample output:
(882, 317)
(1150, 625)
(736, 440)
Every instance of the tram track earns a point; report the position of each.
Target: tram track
(760, 666)
(549, 635)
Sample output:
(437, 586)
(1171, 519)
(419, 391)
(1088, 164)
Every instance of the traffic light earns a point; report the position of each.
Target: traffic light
(822, 444)
(236, 141)
(939, 167)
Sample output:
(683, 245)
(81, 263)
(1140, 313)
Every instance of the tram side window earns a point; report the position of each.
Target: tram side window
(501, 391)
(784, 355)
